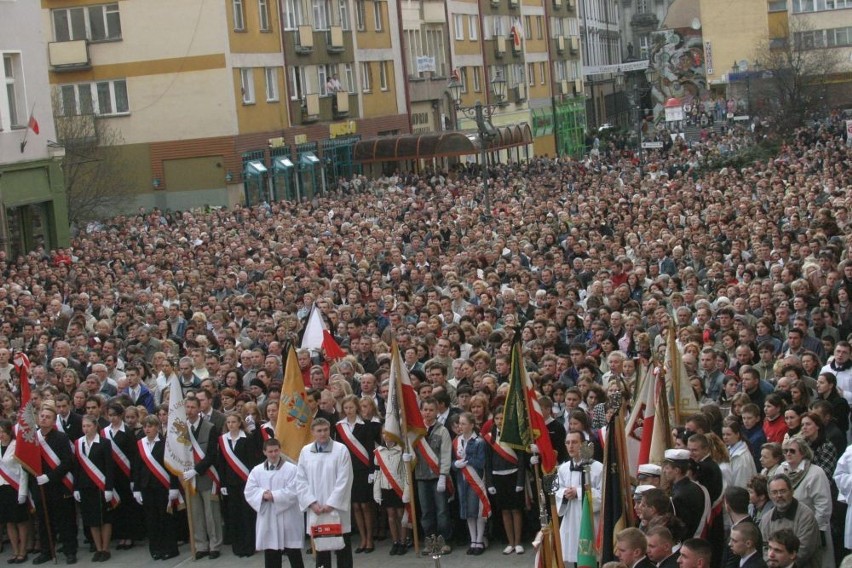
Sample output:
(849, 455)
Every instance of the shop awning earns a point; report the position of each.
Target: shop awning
(255, 168)
(437, 144)
(308, 159)
(282, 164)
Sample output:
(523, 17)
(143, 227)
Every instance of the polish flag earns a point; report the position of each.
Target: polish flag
(318, 337)
(33, 124)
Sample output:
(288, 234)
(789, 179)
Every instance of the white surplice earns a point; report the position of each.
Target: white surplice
(280, 522)
(571, 511)
(326, 478)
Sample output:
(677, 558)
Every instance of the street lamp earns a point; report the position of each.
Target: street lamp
(481, 114)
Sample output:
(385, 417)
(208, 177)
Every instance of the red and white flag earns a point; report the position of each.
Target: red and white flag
(318, 337)
(33, 124)
(27, 449)
(647, 424)
(403, 421)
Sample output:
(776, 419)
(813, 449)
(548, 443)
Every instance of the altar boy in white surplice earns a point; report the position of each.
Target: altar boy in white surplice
(325, 485)
(271, 490)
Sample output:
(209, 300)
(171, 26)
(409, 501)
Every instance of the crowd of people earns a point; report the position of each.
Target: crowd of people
(589, 261)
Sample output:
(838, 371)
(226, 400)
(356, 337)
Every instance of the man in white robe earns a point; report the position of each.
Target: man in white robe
(569, 495)
(272, 491)
(325, 484)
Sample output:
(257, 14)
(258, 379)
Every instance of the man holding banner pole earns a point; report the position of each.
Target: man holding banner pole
(56, 486)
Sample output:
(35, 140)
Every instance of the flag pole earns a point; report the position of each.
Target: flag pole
(403, 426)
(187, 490)
(27, 134)
(675, 374)
(45, 511)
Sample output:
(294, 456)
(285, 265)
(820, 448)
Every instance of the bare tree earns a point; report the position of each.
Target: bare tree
(94, 168)
(797, 72)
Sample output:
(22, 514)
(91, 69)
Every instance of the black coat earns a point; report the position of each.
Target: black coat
(142, 476)
(72, 426)
(100, 454)
(688, 503)
(61, 446)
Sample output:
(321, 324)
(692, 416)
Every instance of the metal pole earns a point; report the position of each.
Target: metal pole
(639, 133)
(480, 125)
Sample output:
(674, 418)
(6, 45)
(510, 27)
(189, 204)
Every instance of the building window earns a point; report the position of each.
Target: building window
(539, 27)
(239, 16)
(292, 14)
(377, 16)
(463, 79)
(344, 14)
(263, 15)
(644, 47)
(641, 6)
(383, 75)
(360, 16)
(349, 77)
(458, 20)
(13, 109)
(322, 14)
(271, 74)
(473, 28)
(477, 80)
(247, 85)
(366, 77)
(527, 27)
(531, 73)
(840, 37)
(104, 98)
(542, 72)
(95, 23)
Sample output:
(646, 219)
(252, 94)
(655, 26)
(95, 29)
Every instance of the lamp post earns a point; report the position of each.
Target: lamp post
(481, 114)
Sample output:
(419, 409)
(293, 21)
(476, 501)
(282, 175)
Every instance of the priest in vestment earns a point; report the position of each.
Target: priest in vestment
(569, 495)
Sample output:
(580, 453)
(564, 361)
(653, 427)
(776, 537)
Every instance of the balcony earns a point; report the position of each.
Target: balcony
(315, 108)
(69, 55)
(575, 44)
(335, 40)
(305, 40)
(499, 46)
(560, 44)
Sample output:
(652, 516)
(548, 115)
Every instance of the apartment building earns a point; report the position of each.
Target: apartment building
(600, 33)
(231, 101)
(33, 204)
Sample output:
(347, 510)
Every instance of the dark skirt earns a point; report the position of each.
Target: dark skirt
(93, 508)
(10, 510)
(391, 499)
(507, 499)
(362, 489)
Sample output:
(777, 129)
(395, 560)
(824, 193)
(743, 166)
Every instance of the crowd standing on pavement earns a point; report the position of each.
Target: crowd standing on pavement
(589, 261)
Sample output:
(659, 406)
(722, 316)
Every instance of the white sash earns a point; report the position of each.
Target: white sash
(353, 444)
(154, 466)
(95, 474)
(119, 456)
(236, 463)
(12, 478)
(53, 460)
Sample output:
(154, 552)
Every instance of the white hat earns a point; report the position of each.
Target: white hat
(641, 489)
(650, 469)
(677, 455)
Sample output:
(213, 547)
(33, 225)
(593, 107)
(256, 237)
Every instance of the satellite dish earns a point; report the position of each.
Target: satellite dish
(696, 24)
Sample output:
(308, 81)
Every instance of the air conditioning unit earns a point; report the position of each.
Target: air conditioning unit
(564, 87)
(520, 92)
(557, 3)
(575, 44)
(312, 105)
(335, 39)
(578, 86)
(500, 46)
(560, 44)
(513, 3)
(572, 4)
(342, 100)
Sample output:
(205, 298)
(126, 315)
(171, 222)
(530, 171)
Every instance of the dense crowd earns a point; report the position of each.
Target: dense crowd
(586, 259)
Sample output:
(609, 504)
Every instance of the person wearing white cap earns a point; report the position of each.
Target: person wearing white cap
(690, 502)
(569, 496)
(649, 474)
